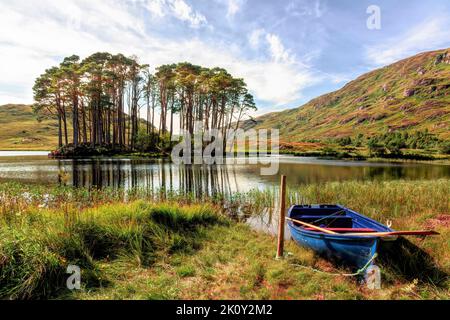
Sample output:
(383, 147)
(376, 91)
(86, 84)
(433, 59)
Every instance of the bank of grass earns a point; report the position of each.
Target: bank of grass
(333, 151)
(237, 263)
(36, 246)
(172, 249)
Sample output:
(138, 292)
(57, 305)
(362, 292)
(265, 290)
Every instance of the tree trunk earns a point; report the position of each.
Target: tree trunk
(60, 141)
(171, 121)
(75, 120)
(66, 137)
(83, 115)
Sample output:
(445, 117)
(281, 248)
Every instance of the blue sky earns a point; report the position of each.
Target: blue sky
(287, 51)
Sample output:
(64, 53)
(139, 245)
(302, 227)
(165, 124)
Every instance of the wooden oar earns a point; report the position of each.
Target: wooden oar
(312, 226)
(373, 234)
(396, 233)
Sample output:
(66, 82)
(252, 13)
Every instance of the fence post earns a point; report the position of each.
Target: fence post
(282, 220)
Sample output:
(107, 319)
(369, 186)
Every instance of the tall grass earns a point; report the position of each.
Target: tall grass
(37, 245)
(390, 199)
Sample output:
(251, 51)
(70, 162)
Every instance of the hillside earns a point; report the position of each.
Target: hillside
(20, 130)
(412, 94)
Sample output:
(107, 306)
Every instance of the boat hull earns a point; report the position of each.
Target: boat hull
(354, 252)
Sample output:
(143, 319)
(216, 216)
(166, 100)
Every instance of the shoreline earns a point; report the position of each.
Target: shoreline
(143, 156)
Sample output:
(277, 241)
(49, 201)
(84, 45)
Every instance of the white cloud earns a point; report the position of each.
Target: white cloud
(184, 12)
(273, 82)
(254, 38)
(277, 49)
(178, 9)
(319, 9)
(429, 35)
(156, 7)
(233, 7)
(35, 38)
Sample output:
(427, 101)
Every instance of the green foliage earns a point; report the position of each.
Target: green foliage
(344, 142)
(329, 151)
(375, 148)
(150, 142)
(445, 147)
(391, 143)
(37, 247)
(359, 140)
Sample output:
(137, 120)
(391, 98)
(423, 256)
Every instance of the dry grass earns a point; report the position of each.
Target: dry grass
(20, 130)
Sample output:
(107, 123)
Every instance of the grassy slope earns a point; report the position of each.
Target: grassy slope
(141, 250)
(20, 130)
(376, 102)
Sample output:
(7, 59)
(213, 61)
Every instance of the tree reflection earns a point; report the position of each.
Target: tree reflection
(212, 180)
(198, 180)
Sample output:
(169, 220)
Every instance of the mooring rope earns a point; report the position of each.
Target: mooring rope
(359, 272)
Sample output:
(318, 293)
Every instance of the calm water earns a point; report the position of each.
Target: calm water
(201, 180)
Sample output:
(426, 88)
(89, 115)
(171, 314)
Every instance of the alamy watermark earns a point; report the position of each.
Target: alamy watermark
(217, 146)
(74, 281)
(374, 20)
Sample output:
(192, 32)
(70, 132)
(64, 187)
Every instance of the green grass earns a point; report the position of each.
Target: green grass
(171, 249)
(36, 246)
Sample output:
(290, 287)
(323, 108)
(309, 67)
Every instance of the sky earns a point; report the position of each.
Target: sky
(288, 52)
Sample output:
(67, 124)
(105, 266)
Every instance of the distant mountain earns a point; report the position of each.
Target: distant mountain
(20, 130)
(412, 94)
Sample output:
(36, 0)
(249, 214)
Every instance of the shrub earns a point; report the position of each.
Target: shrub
(375, 148)
(328, 151)
(343, 142)
(445, 148)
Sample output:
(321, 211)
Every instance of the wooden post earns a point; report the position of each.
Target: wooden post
(282, 220)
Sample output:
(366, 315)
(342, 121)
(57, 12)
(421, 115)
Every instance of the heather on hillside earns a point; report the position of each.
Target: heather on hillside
(410, 95)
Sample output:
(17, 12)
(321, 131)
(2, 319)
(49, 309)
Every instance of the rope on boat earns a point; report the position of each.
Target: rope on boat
(326, 217)
(357, 273)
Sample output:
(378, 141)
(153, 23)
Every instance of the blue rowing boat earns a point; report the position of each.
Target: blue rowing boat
(352, 250)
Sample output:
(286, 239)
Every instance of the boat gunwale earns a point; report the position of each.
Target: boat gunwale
(327, 236)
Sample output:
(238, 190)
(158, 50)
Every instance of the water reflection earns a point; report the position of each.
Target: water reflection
(197, 180)
(203, 180)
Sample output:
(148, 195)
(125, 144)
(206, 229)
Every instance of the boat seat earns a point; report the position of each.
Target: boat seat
(299, 211)
(330, 221)
(346, 230)
(320, 217)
